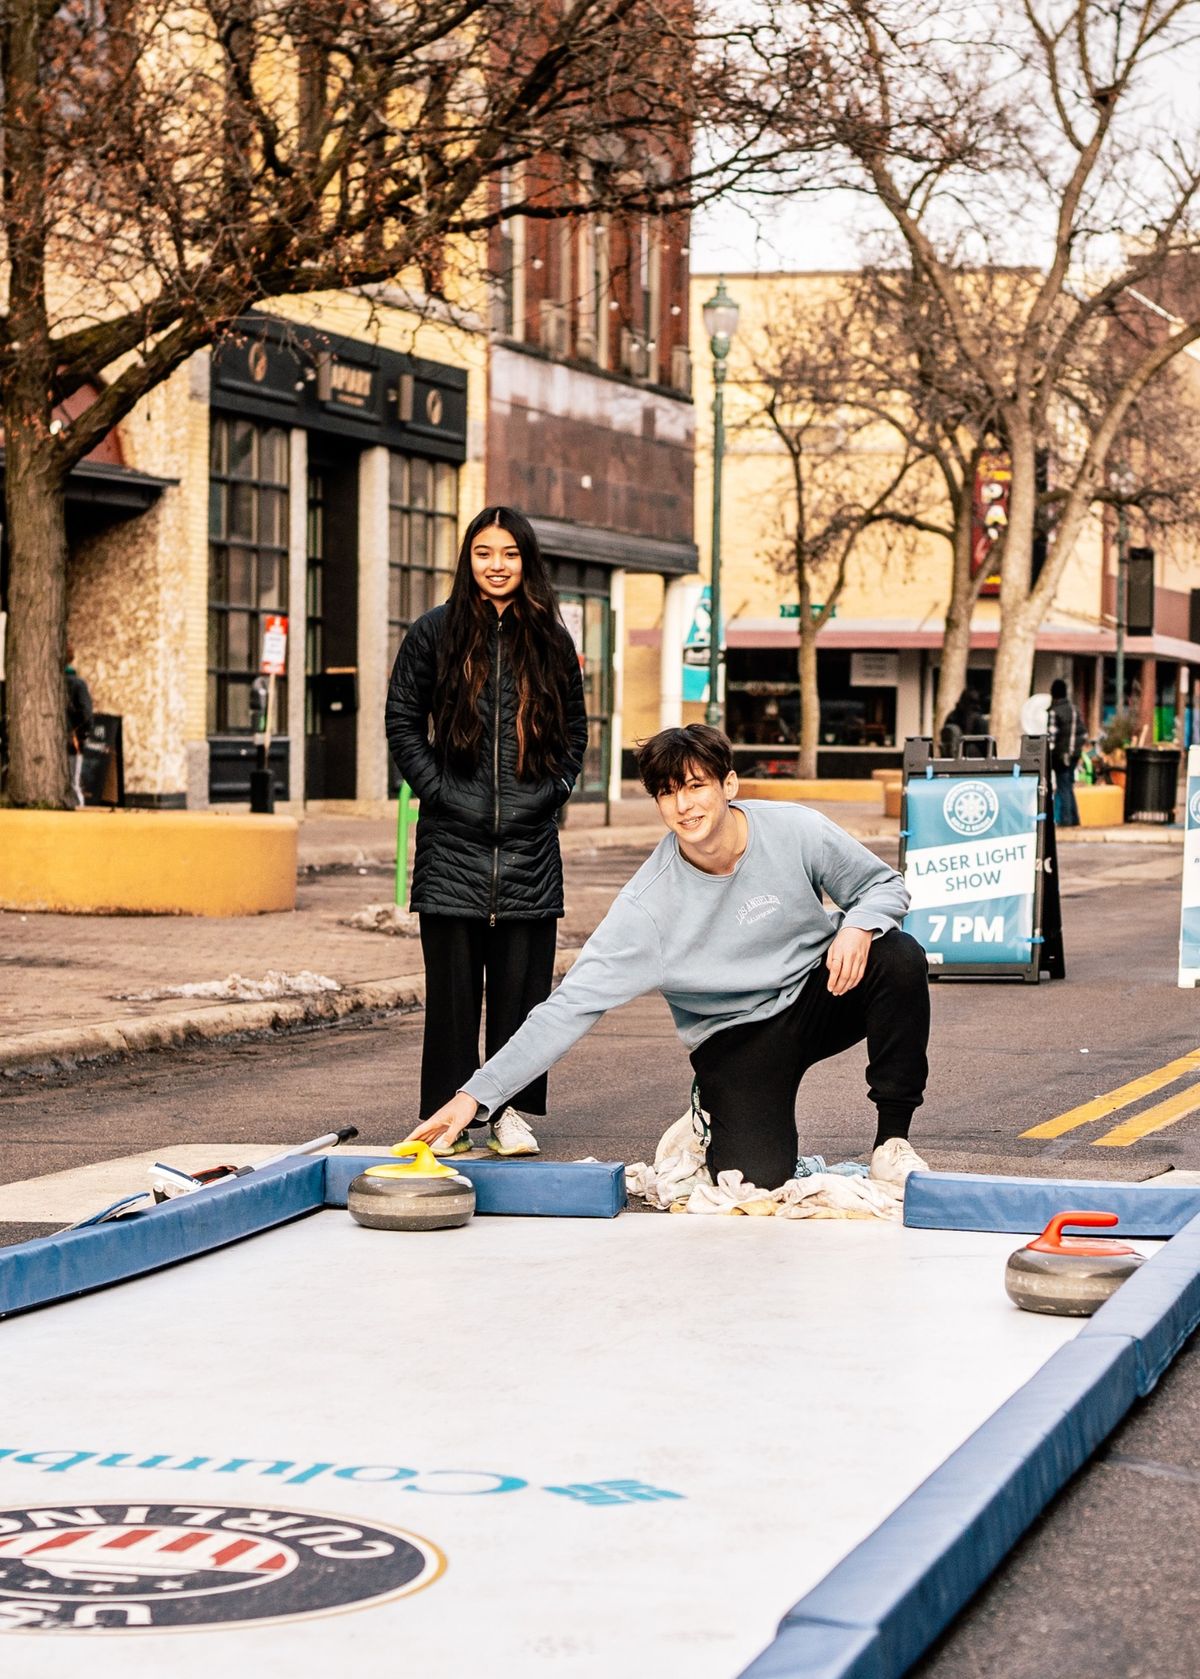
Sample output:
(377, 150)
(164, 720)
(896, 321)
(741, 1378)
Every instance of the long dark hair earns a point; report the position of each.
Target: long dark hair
(537, 651)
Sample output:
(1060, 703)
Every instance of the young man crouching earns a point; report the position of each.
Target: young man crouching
(726, 920)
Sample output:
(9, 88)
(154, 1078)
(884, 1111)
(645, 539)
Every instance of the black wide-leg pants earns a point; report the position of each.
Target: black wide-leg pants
(514, 961)
(748, 1076)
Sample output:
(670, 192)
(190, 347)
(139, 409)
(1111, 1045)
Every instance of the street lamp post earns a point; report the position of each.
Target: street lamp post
(1122, 480)
(720, 323)
(1122, 592)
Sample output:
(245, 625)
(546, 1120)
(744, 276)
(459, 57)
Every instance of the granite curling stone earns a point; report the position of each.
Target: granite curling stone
(1069, 1276)
(416, 1193)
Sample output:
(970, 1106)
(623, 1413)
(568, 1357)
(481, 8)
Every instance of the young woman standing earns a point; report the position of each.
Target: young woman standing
(485, 719)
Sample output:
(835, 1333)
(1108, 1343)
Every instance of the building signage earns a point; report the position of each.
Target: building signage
(345, 384)
(874, 670)
(696, 646)
(274, 647)
(970, 867)
(989, 516)
(291, 374)
(1189, 919)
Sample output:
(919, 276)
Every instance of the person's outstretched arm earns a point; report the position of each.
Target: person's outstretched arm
(620, 961)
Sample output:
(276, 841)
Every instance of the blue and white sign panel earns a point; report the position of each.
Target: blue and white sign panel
(971, 866)
(1189, 918)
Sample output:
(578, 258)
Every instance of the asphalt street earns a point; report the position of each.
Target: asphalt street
(1106, 1583)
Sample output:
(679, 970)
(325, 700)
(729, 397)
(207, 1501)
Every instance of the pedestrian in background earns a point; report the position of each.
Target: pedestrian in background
(486, 722)
(1064, 738)
(79, 723)
(965, 719)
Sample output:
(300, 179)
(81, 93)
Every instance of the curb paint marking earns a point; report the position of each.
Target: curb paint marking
(1122, 1097)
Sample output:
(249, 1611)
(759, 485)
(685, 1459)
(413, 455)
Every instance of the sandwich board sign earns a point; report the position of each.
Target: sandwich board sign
(980, 864)
(1189, 915)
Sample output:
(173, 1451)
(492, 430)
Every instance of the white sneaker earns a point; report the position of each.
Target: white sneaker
(510, 1134)
(894, 1160)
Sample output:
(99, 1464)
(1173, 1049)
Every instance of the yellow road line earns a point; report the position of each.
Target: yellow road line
(1153, 1119)
(1102, 1106)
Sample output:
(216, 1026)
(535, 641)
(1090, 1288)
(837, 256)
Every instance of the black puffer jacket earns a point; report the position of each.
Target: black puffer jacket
(487, 842)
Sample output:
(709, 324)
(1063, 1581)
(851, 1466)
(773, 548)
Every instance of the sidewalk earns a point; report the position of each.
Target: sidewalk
(68, 984)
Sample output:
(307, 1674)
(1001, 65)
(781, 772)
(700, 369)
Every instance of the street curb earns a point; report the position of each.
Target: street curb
(67, 1046)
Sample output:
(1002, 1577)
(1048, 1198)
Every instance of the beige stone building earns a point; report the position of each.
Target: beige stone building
(878, 658)
(318, 466)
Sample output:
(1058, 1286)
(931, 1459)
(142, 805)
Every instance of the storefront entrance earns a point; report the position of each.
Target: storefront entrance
(331, 623)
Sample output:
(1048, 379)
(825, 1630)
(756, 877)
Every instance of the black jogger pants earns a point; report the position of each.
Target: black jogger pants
(514, 960)
(748, 1076)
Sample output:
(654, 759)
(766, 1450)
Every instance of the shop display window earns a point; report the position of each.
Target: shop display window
(422, 539)
(247, 563)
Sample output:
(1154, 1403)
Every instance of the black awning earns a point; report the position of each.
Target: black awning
(118, 491)
(562, 540)
(110, 491)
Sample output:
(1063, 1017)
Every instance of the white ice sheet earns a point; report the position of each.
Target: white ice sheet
(790, 1382)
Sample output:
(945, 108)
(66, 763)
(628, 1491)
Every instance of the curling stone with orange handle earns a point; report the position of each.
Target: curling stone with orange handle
(1069, 1276)
(415, 1193)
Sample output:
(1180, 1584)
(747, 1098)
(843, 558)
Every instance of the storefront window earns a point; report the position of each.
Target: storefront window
(584, 598)
(247, 563)
(422, 539)
(763, 702)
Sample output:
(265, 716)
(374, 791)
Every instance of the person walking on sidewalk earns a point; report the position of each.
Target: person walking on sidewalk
(1064, 738)
(486, 721)
(726, 919)
(80, 714)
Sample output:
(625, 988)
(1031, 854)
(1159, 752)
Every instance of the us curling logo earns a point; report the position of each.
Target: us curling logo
(971, 808)
(146, 1567)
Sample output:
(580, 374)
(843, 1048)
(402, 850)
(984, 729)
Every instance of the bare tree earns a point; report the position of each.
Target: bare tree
(1027, 135)
(853, 466)
(166, 167)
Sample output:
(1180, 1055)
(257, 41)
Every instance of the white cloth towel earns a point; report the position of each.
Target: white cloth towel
(679, 1181)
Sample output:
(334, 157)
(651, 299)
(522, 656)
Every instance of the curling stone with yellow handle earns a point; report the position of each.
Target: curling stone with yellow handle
(415, 1193)
(1069, 1276)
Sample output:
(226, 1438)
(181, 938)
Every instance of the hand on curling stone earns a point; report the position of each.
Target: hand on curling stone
(447, 1123)
(846, 958)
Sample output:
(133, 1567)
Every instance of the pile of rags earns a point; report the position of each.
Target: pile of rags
(679, 1182)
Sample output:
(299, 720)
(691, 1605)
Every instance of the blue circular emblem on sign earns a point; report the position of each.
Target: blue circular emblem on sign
(1194, 808)
(971, 808)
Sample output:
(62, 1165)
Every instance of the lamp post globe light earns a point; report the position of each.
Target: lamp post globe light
(720, 323)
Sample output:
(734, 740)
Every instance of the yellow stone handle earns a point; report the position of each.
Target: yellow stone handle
(422, 1164)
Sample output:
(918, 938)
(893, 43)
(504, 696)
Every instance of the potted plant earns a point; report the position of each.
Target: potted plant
(1113, 741)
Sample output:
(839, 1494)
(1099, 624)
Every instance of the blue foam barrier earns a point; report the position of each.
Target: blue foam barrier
(1024, 1206)
(1157, 1308)
(511, 1188)
(818, 1652)
(55, 1267)
(885, 1603)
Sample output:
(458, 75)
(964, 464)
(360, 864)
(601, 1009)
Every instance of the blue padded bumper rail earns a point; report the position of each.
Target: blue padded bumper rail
(873, 1615)
(54, 1268)
(1024, 1206)
(513, 1188)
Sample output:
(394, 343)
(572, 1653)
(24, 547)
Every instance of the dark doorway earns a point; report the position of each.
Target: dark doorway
(331, 622)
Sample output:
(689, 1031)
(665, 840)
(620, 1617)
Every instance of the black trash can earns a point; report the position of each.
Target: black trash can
(1151, 779)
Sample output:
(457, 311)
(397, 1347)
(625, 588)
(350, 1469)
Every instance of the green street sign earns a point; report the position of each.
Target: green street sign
(791, 609)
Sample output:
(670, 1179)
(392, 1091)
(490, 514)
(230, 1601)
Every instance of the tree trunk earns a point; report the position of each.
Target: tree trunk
(35, 655)
(956, 641)
(810, 697)
(1012, 679)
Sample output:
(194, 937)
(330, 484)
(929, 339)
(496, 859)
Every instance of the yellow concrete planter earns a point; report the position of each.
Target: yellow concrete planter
(146, 862)
(1100, 806)
(846, 792)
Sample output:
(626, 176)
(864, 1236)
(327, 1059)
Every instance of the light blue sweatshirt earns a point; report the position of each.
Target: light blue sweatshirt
(722, 949)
